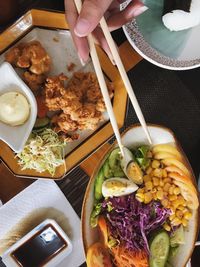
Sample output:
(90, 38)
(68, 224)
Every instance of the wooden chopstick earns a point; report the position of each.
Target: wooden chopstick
(124, 77)
(102, 83)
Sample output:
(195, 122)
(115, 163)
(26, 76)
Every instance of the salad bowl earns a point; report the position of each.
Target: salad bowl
(103, 201)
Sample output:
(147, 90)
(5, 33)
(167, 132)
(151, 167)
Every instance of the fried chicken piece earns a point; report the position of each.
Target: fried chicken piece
(34, 81)
(12, 56)
(65, 123)
(72, 100)
(81, 102)
(31, 56)
(34, 57)
(54, 91)
(88, 117)
(68, 137)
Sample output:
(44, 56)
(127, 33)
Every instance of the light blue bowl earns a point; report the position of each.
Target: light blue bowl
(153, 41)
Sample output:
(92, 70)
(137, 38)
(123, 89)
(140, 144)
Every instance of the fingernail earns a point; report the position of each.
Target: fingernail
(82, 27)
(84, 61)
(140, 10)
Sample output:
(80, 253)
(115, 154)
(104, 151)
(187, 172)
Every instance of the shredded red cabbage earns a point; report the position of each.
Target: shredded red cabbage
(131, 222)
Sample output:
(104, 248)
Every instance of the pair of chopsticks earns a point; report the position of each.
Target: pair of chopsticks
(102, 82)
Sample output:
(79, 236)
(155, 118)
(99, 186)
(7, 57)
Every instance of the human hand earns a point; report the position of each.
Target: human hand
(91, 13)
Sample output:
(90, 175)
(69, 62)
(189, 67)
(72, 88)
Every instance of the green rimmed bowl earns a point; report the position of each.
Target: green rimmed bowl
(162, 47)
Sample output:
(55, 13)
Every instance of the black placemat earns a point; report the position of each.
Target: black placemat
(170, 98)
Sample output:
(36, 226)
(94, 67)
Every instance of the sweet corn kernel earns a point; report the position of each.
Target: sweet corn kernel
(166, 227)
(157, 173)
(173, 209)
(167, 180)
(172, 197)
(188, 203)
(149, 170)
(148, 197)
(165, 194)
(161, 183)
(184, 222)
(177, 190)
(154, 190)
(172, 216)
(176, 221)
(155, 196)
(159, 188)
(185, 209)
(149, 185)
(180, 207)
(165, 202)
(159, 195)
(166, 186)
(155, 164)
(171, 189)
(169, 206)
(140, 197)
(164, 173)
(146, 178)
(179, 214)
(187, 215)
(141, 190)
(175, 204)
(155, 181)
(181, 200)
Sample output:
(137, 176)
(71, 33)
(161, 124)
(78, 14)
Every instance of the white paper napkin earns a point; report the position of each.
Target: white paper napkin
(44, 194)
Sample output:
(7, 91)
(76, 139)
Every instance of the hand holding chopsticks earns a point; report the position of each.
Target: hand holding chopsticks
(102, 82)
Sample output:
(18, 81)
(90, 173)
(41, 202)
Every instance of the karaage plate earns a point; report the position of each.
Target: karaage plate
(51, 29)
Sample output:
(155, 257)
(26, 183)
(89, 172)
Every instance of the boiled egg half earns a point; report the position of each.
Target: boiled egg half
(115, 187)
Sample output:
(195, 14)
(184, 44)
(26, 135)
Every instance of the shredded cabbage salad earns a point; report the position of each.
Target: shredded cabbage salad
(42, 152)
(131, 221)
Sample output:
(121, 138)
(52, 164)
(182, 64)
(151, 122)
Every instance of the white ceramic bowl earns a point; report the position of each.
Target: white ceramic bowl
(54, 260)
(16, 136)
(134, 137)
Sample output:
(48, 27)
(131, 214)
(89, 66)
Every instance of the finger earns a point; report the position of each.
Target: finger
(117, 20)
(80, 43)
(91, 13)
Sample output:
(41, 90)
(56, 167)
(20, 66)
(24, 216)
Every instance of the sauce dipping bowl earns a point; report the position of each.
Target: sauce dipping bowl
(16, 136)
(46, 245)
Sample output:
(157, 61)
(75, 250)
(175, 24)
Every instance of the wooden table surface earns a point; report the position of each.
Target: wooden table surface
(11, 185)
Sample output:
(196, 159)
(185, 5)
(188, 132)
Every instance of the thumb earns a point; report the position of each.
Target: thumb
(91, 13)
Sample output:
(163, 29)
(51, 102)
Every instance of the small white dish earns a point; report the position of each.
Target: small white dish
(44, 233)
(16, 136)
(42, 200)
